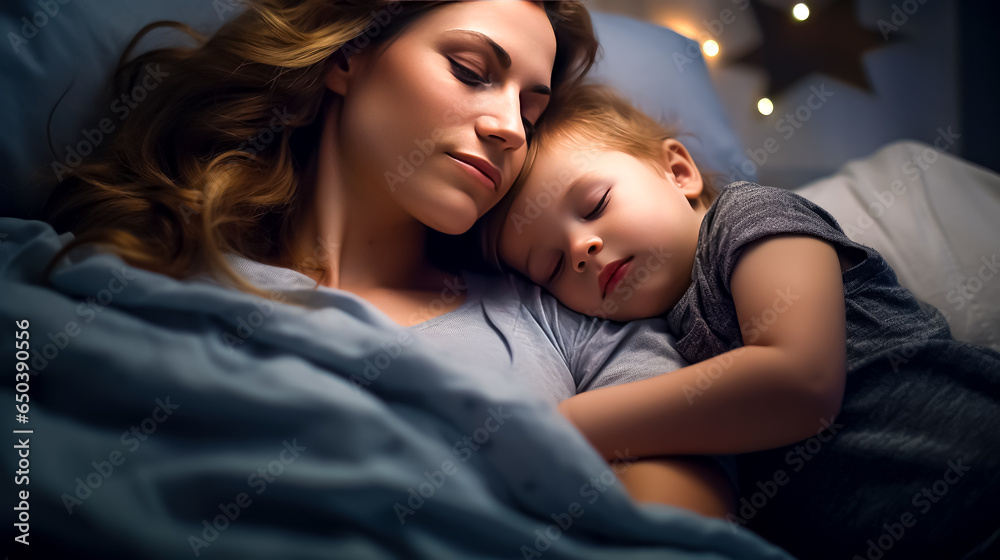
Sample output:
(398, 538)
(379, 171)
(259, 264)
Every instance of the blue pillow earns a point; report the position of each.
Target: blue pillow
(57, 47)
(664, 74)
(54, 47)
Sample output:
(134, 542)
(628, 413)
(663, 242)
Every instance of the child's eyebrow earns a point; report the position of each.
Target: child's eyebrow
(586, 177)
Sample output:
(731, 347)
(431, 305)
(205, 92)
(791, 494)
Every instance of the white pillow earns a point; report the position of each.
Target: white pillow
(936, 220)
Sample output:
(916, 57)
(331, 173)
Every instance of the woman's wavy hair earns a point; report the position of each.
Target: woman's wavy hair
(185, 179)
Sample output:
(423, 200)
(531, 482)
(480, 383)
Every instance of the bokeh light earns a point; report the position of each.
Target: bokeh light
(765, 106)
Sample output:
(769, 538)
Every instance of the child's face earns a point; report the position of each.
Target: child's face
(606, 233)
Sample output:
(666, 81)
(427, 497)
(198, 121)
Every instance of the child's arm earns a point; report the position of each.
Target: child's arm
(774, 390)
(694, 483)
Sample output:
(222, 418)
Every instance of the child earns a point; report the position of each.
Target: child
(795, 332)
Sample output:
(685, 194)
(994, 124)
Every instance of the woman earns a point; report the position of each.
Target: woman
(395, 119)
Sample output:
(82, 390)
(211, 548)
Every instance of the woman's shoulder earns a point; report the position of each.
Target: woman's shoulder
(512, 295)
(268, 277)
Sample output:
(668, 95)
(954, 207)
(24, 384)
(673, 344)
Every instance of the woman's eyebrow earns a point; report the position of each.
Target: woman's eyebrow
(499, 51)
(502, 56)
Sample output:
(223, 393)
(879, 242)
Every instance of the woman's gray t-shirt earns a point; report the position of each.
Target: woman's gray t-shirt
(510, 322)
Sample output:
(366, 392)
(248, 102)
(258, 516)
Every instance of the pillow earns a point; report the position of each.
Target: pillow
(934, 217)
(61, 46)
(664, 74)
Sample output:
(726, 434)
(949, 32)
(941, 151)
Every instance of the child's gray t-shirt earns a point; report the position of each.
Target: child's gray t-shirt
(915, 400)
(881, 314)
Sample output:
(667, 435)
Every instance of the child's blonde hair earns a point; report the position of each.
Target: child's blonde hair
(589, 115)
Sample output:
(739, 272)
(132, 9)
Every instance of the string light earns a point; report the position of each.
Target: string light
(765, 106)
(800, 12)
(710, 47)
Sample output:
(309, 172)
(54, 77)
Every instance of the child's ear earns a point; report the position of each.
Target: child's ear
(679, 164)
(341, 69)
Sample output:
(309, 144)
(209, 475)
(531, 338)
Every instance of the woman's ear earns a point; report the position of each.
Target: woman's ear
(341, 68)
(678, 163)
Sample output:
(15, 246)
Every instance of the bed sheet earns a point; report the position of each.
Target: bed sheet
(935, 218)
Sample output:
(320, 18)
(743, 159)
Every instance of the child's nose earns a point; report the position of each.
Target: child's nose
(585, 250)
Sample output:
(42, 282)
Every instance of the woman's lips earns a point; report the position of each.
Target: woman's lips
(479, 168)
(612, 275)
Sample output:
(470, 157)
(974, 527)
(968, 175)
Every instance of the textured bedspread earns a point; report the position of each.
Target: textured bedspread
(180, 419)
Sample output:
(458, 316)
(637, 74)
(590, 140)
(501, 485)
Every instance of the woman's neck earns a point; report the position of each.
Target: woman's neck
(356, 231)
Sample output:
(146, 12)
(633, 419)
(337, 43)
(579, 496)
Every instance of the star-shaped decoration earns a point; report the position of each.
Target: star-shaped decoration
(830, 41)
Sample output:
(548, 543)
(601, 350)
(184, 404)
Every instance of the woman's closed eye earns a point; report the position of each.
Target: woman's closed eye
(529, 129)
(467, 75)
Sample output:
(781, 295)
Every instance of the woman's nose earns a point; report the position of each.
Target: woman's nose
(504, 123)
(584, 250)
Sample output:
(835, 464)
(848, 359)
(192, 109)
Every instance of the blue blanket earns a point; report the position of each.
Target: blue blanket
(168, 419)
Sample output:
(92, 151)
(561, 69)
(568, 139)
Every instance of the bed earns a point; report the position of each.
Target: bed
(162, 419)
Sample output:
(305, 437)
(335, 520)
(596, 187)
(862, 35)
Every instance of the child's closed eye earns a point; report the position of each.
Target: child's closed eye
(556, 269)
(601, 205)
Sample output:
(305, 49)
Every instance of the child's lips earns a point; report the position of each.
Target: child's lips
(612, 274)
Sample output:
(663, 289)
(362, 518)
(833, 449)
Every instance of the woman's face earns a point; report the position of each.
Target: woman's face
(438, 119)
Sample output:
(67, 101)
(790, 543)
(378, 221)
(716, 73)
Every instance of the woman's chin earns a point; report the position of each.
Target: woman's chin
(455, 218)
(455, 227)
